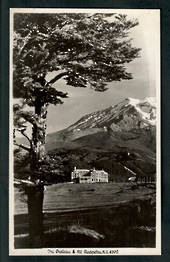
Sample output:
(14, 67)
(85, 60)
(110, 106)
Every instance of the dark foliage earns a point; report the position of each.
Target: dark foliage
(87, 48)
(84, 49)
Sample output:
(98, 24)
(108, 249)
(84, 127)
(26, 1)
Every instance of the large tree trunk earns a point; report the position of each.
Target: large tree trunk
(39, 133)
(35, 193)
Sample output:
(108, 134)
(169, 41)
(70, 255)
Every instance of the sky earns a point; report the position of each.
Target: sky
(145, 82)
(145, 71)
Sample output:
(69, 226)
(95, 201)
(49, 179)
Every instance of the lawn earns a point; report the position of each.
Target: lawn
(94, 215)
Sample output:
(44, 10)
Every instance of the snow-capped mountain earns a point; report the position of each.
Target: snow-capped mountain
(128, 114)
(130, 123)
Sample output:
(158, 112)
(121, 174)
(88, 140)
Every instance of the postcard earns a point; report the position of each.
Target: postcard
(84, 175)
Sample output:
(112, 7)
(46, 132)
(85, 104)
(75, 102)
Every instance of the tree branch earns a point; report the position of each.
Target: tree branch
(23, 147)
(28, 117)
(52, 81)
(23, 133)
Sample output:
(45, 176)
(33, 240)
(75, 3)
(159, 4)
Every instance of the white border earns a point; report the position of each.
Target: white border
(95, 251)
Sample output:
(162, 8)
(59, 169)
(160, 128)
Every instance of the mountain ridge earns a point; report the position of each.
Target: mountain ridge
(119, 136)
(131, 119)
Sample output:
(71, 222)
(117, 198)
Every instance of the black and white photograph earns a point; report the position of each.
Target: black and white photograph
(84, 176)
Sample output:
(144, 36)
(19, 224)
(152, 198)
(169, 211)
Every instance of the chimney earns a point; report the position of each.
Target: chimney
(75, 168)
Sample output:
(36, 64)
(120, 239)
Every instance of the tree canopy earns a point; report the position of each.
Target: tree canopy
(85, 49)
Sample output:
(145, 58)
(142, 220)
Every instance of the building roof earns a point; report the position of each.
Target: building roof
(91, 170)
(81, 170)
(99, 171)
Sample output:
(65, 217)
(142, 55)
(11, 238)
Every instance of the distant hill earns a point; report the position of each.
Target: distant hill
(116, 138)
(131, 124)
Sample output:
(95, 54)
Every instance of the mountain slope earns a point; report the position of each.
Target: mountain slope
(139, 112)
(115, 139)
(131, 124)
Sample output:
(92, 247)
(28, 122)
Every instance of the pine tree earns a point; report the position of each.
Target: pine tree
(84, 49)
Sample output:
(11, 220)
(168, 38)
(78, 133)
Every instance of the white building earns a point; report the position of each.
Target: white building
(89, 176)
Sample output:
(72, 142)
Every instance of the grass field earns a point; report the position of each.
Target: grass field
(94, 215)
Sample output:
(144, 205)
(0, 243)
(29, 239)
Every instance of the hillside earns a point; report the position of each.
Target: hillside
(117, 137)
(131, 124)
(120, 136)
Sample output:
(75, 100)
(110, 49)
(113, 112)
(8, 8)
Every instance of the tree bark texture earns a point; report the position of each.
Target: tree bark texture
(35, 193)
(39, 132)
